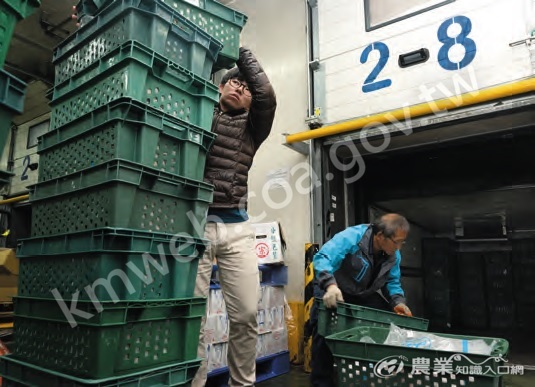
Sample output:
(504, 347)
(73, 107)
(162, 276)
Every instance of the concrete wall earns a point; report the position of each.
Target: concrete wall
(276, 32)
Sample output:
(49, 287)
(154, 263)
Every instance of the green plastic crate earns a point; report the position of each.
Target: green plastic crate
(110, 240)
(220, 21)
(128, 130)
(22, 8)
(134, 71)
(108, 313)
(11, 12)
(119, 194)
(19, 373)
(12, 92)
(90, 7)
(131, 276)
(356, 361)
(8, 20)
(347, 316)
(119, 339)
(157, 26)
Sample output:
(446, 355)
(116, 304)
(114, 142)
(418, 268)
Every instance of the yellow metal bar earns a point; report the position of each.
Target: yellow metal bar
(15, 199)
(295, 336)
(472, 98)
(310, 250)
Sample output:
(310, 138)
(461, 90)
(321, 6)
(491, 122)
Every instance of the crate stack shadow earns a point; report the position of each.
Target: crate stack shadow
(12, 89)
(106, 280)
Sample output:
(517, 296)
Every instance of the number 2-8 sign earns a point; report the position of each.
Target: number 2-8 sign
(372, 84)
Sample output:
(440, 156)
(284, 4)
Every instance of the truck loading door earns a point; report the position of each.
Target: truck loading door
(467, 186)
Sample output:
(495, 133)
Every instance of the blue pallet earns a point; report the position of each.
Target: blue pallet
(267, 367)
(270, 275)
(273, 275)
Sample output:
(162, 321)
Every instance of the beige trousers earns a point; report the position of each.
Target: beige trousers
(232, 244)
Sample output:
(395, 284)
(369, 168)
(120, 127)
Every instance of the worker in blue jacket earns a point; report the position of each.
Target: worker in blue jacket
(352, 267)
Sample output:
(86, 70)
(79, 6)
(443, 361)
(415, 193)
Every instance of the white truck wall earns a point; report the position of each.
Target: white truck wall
(276, 32)
(343, 39)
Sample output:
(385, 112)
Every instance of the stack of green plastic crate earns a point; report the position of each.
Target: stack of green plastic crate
(107, 278)
(12, 89)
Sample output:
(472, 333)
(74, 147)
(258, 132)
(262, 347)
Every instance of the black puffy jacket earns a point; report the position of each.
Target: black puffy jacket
(239, 135)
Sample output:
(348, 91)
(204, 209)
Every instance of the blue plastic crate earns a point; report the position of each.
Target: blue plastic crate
(267, 367)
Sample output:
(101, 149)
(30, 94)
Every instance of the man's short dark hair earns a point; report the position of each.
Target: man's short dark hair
(390, 223)
(232, 73)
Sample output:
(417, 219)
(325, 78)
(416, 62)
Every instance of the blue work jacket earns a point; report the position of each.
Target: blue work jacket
(347, 261)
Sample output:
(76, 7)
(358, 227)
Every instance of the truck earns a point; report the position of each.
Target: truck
(425, 108)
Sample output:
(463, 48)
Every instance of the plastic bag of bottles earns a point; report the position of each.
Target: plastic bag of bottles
(414, 339)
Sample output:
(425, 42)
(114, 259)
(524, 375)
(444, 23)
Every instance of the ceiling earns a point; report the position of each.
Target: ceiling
(437, 214)
(31, 49)
(481, 182)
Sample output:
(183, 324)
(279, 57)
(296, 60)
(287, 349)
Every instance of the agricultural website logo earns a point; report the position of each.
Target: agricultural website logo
(390, 366)
(454, 365)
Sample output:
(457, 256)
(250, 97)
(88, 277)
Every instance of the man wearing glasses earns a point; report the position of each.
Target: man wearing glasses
(352, 267)
(242, 121)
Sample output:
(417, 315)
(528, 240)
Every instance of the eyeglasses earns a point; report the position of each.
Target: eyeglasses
(237, 84)
(397, 243)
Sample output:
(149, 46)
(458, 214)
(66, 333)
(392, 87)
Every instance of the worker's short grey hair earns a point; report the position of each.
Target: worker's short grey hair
(232, 73)
(390, 223)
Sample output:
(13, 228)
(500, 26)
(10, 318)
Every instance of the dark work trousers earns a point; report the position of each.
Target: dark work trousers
(322, 360)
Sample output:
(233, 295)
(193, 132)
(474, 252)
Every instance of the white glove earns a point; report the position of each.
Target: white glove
(332, 296)
(403, 310)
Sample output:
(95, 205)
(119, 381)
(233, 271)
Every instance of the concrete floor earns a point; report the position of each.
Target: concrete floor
(297, 378)
(526, 380)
